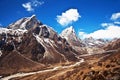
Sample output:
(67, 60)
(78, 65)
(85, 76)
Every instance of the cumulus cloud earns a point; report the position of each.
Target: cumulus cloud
(106, 24)
(30, 6)
(115, 16)
(110, 32)
(68, 17)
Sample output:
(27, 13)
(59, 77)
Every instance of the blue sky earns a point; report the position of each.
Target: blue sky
(87, 16)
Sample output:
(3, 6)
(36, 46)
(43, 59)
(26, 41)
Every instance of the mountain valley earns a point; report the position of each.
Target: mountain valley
(31, 50)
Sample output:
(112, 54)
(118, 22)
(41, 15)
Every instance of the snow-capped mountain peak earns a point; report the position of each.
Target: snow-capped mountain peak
(71, 29)
(33, 16)
(70, 35)
(25, 23)
(90, 42)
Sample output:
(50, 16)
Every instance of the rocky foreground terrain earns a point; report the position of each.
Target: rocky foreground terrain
(31, 50)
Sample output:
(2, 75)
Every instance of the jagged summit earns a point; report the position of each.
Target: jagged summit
(68, 32)
(70, 35)
(25, 23)
(33, 16)
(70, 29)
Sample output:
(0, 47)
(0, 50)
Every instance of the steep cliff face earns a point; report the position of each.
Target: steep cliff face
(57, 48)
(77, 44)
(70, 35)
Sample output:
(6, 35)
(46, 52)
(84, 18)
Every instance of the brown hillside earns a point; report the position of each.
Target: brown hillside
(113, 45)
(14, 62)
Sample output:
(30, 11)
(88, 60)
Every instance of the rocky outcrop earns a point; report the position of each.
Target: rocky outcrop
(44, 32)
(30, 48)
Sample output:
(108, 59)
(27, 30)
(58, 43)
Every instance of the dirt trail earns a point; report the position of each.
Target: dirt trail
(42, 71)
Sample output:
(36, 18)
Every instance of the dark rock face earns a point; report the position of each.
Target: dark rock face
(8, 47)
(2, 42)
(64, 48)
(36, 30)
(44, 32)
(31, 48)
(38, 52)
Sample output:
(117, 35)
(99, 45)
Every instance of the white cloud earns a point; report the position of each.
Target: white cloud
(30, 6)
(116, 22)
(115, 16)
(37, 3)
(68, 17)
(106, 24)
(82, 35)
(110, 32)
